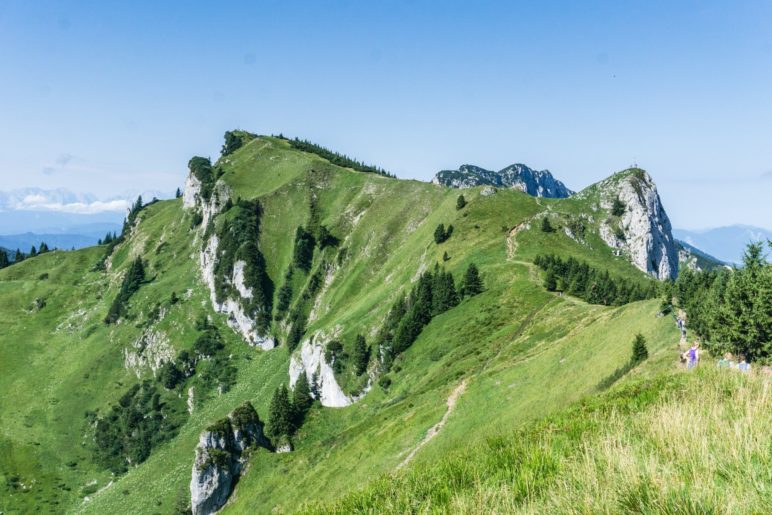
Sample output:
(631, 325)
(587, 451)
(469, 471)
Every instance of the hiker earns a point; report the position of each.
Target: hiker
(727, 361)
(743, 366)
(693, 355)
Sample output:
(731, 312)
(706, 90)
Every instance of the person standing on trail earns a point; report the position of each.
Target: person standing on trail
(693, 355)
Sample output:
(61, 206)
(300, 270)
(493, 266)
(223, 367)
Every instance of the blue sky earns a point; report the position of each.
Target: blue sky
(104, 97)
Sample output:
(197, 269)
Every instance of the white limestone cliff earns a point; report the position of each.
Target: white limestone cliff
(643, 232)
(309, 358)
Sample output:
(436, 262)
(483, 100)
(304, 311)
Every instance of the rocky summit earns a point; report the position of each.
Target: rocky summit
(539, 183)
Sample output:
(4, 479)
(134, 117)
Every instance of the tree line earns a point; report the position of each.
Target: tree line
(590, 284)
(731, 310)
(335, 158)
(20, 256)
(434, 293)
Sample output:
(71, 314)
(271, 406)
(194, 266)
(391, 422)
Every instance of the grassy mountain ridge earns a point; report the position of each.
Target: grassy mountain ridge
(505, 344)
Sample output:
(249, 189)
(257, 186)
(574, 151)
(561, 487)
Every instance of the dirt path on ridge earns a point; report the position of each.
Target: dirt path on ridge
(435, 429)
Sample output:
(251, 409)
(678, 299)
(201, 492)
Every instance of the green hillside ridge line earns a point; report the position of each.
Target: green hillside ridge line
(507, 343)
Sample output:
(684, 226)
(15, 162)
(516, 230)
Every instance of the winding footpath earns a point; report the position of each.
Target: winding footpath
(435, 429)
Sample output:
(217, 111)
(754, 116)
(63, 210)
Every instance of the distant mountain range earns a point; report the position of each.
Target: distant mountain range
(539, 183)
(725, 243)
(83, 236)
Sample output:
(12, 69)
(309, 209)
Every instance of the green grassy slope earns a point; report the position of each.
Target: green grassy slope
(670, 443)
(520, 351)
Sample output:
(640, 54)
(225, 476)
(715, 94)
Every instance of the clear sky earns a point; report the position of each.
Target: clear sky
(104, 97)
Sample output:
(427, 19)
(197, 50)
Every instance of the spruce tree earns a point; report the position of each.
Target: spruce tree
(43, 248)
(439, 234)
(460, 202)
(360, 355)
(3, 259)
(18, 257)
(546, 226)
(314, 385)
(178, 193)
(618, 207)
(33, 252)
(640, 352)
(472, 284)
(303, 253)
(550, 283)
(280, 422)
(301, 399)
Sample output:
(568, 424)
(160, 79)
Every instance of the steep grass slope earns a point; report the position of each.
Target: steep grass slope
(674, 443)
(520, 352)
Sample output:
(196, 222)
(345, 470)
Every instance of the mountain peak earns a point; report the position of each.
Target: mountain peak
(539, 183)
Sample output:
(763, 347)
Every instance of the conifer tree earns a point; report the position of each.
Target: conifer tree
(360, 355)
(303, 253)
(640, 352)
(314, 385)
(178, 193)
(280, 422)
(33, 252)
(43, 248)
(460, 202)
(550, 283)
(618, 207)
(472, 284)
(439, 234)
(3, 259)
(546, 226)
(18, 257)
(301, 399)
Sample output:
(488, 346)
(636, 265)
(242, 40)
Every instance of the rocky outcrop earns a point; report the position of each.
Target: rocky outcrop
(220, 457)
(642, 230)
(309, 358)
(539, 183)
(238, 319)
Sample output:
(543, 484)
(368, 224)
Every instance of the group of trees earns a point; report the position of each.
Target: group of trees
(234, 140)
(591, 284)
(239, 241)
(201, 168)
(731, 310)
(359, 358)
(434, 293)
(441, 234)
(143, 418)
(287, 413)
(20, 256)
(131, 283)
(335, 157)
(108, 239)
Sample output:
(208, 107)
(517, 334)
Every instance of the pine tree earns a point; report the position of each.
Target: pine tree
(460, 202)
(550, 282)
(18, 257)
(640, 352)
(445, 256)
(280, 422)
(472, 284)
(178, 193)
(33, 252)
(301, 399)
(303, 253)
(439, 234)
(546, 226)
(43, 248)
(3, 259)
(360, 355)
(618, 207)
(314, 385)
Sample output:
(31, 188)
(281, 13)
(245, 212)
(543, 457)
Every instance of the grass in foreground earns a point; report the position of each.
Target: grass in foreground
(696, 443)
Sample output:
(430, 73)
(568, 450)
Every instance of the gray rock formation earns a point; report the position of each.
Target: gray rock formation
(539, 183)
(238, 319)
(220, 456)
(642, 231)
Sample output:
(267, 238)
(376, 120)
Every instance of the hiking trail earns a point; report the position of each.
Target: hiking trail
(435, 429)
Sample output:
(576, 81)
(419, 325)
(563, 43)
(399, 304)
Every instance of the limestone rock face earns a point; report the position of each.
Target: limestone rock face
(643, 231)
(220, 457)
(309, 358)
(238, 319)
(539, 183)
